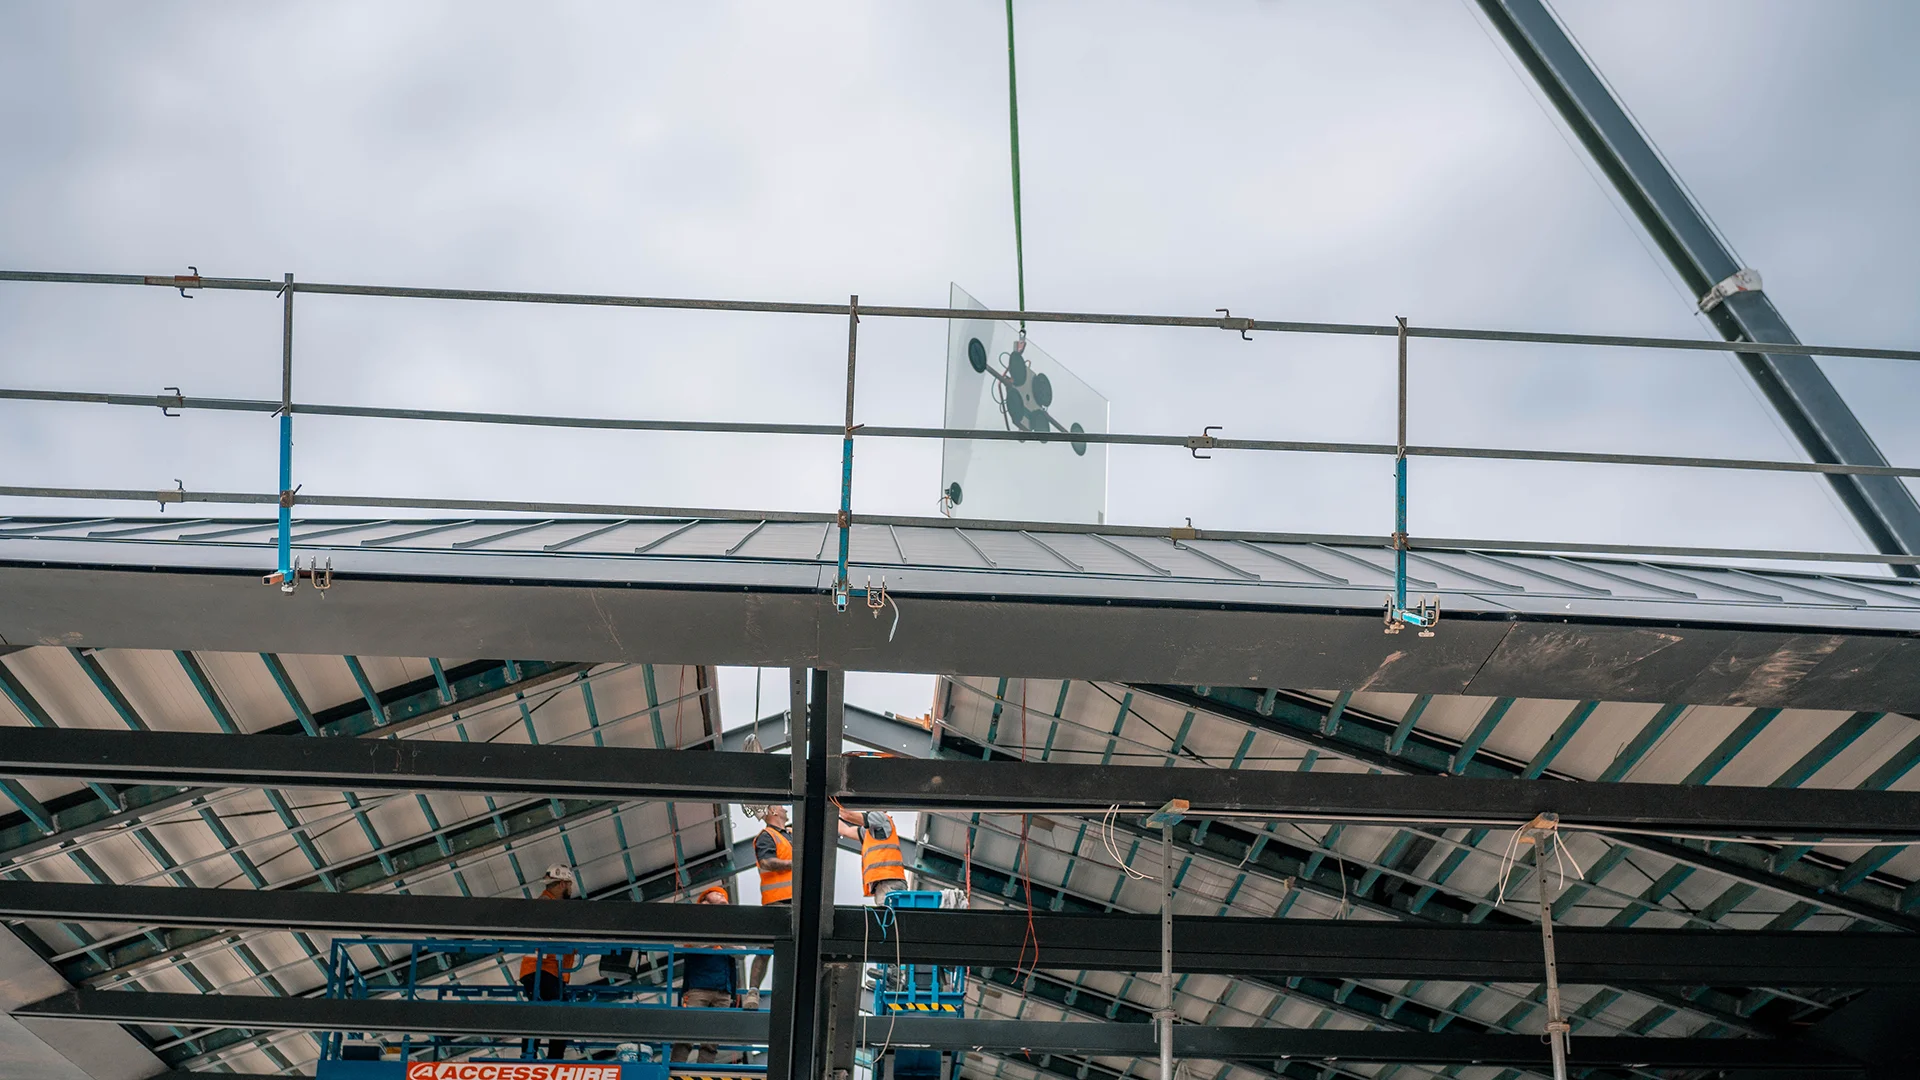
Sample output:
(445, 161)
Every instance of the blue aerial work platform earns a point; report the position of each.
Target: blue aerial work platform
(916, 988)
(416, 969)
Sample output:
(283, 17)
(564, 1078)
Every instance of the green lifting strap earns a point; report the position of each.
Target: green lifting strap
(1013, 139)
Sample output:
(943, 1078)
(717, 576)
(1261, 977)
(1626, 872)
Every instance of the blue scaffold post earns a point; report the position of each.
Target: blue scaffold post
(1424, 615)
(841, 589)
(285, 564)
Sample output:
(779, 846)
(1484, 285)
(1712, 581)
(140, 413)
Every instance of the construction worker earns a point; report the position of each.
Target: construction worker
(882, 869)
(547, 981)
(706, 982)
(773, 856)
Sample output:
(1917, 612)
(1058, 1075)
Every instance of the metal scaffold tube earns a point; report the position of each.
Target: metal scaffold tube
(286, 573)
(1202, 322)
(879, 431)
(845, 520)
(1164, 1018)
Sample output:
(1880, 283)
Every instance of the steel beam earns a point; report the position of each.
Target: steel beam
(1223, 631)
(389, 913)
(1383, 950)
(622, 773)
(1266, 1044)
(1048, 786)
(387, 1015)
(285, 761)
(693, 1025)
(1227, 946)
(1794, 384)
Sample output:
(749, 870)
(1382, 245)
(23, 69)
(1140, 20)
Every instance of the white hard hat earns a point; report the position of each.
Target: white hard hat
(557, 872)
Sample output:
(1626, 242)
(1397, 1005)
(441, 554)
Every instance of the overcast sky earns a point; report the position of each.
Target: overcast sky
(1290, 160)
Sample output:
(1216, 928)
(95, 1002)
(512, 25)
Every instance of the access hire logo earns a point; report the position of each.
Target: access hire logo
(471, 1070)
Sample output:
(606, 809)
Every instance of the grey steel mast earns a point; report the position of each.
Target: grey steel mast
(1729, 294)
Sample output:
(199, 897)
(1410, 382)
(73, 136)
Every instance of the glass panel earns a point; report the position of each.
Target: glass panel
(996, 384)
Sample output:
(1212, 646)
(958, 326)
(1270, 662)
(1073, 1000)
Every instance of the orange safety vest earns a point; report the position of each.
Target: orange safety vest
(880, 859)
(550, 962)
(777, 885)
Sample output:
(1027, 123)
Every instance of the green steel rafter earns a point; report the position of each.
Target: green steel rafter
(619, 827)
(1366, 740)
(374, 708)
(1235, 847)
(1562, 735)
(1641, 744)
(1478, 737)
(304, 717)
(77, 816)
(98, 676)
(660, 740)
(1736, 741)
(198, 676)
(1401, 731)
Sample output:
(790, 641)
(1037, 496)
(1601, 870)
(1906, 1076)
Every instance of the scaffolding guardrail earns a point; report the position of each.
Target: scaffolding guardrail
(286, 573)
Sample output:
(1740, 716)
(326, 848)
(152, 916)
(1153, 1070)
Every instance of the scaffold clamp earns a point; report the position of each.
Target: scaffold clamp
(1423, 615)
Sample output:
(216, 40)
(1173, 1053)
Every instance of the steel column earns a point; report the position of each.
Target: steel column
(1794, 384)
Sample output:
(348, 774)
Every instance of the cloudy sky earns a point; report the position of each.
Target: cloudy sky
(1291, 160)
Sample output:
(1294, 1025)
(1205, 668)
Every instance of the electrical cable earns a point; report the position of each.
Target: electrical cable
(1113, 848)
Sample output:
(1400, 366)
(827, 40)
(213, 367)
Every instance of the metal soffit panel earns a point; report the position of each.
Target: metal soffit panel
(150, 832)
(1273, 615)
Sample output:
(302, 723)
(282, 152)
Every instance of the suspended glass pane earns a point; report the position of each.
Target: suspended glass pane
(995, 384)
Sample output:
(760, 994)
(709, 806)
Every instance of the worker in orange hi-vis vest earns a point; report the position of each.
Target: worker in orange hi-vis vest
(882, 868)
(773, 857)
(546, 980)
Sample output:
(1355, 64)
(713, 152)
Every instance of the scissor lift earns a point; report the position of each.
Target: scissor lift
(917, 989)
(418, 969)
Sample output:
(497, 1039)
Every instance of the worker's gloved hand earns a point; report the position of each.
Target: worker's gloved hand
(879, 826)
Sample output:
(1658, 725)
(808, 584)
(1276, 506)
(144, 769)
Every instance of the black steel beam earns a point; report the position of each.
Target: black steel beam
(1225, 946)
(1267, 1044)
(597, 772)
(1367, 950)
(733, 1026)
(949, 784)
(390, 1015)
(285, 761)
(1794, 385)
(278, 909)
